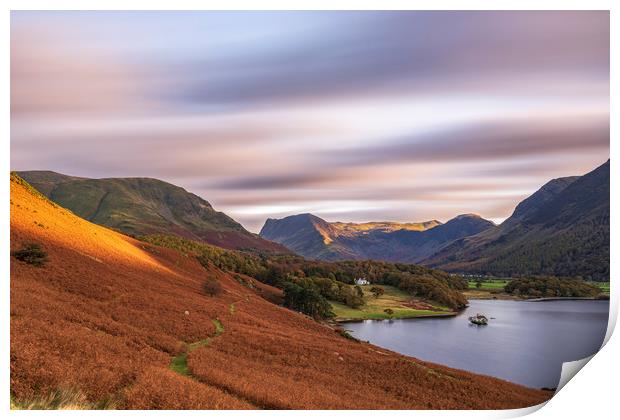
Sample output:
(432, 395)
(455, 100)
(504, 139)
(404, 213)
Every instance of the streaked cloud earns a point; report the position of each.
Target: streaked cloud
(531, 136)
(356, 116)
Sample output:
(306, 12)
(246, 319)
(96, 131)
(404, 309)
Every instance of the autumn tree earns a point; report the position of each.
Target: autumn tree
(377, 291)
(351, 297)
(211, 287)
(31, 254)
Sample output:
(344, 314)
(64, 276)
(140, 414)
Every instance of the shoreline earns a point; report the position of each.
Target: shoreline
(474, 295)
(453, 314)
(547, 299)
(399, 304)
(506, 297)
(440, 315)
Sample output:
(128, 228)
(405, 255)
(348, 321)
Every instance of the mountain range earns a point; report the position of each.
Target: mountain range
(142, 206)
(562, 229)
(313, 237)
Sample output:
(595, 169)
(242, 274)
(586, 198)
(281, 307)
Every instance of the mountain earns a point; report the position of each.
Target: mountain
(533, 203)
(141, 206)
(305, 234)
(313, 237)
(352, 228)
(562, 229)
(108, 321)
(415, 246)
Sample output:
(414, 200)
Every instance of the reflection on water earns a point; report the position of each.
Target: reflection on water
(526, 342)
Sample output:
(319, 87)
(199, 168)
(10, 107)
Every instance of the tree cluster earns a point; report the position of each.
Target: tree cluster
(551, 287)
(329, 280)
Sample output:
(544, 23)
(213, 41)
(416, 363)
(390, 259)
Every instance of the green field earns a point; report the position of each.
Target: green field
(488, 284)
(394, 299)
(604, 286)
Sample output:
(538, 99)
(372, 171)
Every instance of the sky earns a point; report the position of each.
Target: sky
(352, 116)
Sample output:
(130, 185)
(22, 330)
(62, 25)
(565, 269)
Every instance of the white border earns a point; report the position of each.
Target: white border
(592, 395)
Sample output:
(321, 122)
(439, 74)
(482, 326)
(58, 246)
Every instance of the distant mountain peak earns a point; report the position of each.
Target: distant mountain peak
(539, 198)
(313, 237)
(467, 216)
(562, 229)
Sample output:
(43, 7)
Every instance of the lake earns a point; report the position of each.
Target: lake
(526, 343)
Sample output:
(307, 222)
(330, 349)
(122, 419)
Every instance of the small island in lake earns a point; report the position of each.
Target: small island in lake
(479, 319)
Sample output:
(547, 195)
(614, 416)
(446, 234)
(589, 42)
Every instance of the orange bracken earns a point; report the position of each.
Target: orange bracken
(106, 314)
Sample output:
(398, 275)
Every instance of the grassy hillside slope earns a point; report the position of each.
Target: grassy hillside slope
(121, 323)
(141, 206)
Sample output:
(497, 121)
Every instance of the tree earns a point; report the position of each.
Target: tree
(377, 291)
(430, 288)
(211, 287)
(478, 284)
(351, 297)
(389, 312)
(306, 300)
(32, 254)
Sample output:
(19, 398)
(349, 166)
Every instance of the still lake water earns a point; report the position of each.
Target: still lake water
(526, 343)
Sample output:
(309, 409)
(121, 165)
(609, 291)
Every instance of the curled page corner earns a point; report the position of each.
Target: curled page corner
(570, 369)
(520, 412)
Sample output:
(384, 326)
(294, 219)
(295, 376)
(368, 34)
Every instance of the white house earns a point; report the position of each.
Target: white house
(361, 281)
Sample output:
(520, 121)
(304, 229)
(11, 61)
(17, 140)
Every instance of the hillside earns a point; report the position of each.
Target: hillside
(141, 206)
(353, 228)
(114, 322)
(316, 283)
(562, 230)
(306, 235)
(313, 237)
